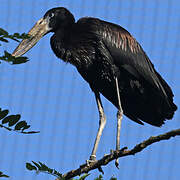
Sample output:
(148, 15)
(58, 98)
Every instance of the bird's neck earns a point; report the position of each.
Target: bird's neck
(62, 34)
(70, 43)
(59, 42)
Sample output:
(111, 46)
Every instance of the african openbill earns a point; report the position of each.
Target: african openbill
(112, 62)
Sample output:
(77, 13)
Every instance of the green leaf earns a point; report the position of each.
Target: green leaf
(12, 120)
(20, 60)
(21, 36)
(3, 32)
(41, 167)
(30, 167)
(26, 127)
(13, 60)
(25, 36)
(4, 35)
(3, 175)
(57, 173)
(7, 54)
(8, 119)
(15, 119)
(13, 38)
(37, 165)
(20, 125)
(4, 40)
(99, 178)
(84, 176)
(3, 113)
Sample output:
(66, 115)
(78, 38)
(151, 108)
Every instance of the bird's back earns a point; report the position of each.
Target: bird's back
(101, 50)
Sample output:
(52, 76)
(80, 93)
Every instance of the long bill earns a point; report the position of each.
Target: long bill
(35, 34)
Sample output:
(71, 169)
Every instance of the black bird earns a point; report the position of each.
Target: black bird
(112, 62)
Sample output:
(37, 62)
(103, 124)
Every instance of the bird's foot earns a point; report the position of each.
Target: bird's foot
(115, 152)
(117, 163)
(112, 151)
(91, 159)
(117, 160)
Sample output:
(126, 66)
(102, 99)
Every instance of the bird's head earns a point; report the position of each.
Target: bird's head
(53, 20)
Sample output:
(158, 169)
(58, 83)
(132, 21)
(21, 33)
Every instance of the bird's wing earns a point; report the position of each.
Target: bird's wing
(128, 54)
(125, 51)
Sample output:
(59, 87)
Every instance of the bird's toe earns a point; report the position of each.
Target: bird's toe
(91, 160)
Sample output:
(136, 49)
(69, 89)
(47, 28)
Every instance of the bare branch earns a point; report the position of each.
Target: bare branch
(120, 153)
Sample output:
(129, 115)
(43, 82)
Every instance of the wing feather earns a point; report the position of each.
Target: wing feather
(126, 52)
(128, 57)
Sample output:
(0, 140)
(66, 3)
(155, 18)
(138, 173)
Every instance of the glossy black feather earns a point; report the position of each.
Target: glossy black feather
(102, 51)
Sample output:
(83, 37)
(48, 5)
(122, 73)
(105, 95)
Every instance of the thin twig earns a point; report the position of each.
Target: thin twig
(120, 153)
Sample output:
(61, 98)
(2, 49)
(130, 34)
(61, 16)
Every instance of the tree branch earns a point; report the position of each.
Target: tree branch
(85, 168)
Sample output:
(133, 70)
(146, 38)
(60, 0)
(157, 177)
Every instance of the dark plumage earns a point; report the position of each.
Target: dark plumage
(112, 62)
(101, 50)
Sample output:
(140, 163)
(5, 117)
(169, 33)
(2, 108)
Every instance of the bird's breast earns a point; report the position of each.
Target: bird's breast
(98, 74)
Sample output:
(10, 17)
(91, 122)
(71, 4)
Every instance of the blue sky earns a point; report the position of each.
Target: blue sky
(52, 97)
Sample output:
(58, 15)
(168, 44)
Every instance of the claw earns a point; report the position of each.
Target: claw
(112, 151)
(117, 163)
(117, 160)
(100, 169)
(91, 160)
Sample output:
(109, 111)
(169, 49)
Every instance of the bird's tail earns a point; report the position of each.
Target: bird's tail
(160, 104)
(169, 107)
(152, 106)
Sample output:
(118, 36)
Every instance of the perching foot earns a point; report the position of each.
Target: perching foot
(91, 160)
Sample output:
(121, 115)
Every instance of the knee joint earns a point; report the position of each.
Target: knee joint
(119, 114)
(102, 119)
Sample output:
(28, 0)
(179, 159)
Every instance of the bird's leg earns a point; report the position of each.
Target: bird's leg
(119, 120)
(102, 123)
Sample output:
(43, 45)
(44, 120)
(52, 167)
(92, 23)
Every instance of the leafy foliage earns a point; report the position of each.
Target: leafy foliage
(99, 178)
(3, 175)
(13, 60)
(40, 167)
(4, 36)
(12, 120)
(13, 123)
(113, 178)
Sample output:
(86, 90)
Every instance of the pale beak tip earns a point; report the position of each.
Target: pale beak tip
(14, 54)
(36, 33)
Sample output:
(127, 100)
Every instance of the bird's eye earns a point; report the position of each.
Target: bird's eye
(51, 15)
